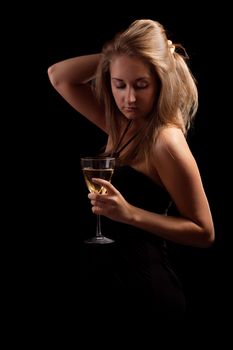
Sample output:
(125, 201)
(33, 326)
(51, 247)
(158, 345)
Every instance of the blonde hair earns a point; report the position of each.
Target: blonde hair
(177, 101)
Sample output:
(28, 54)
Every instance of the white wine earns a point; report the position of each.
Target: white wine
(89, 173)
(102, 168)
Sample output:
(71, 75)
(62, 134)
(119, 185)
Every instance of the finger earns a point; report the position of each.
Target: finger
(98, 205)
(94, 197)
(96, 210)
(109, 187)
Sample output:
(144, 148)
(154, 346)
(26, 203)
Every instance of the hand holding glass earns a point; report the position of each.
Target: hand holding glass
(103, 168)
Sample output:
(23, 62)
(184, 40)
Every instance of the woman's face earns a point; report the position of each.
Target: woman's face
(133, 85)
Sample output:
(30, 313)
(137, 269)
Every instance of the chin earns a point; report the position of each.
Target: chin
(130, 116)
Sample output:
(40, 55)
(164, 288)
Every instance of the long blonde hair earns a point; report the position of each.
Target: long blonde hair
(177, 102)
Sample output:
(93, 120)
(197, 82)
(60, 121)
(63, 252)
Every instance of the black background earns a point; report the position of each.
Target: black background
(67, 135)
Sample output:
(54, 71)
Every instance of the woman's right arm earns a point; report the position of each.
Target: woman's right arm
(71, 79)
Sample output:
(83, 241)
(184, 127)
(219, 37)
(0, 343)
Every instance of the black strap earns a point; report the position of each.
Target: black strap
(117, 151)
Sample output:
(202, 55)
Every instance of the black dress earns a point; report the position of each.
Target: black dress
(131, 277)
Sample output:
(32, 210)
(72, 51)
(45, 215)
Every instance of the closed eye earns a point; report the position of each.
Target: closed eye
(137, 86)
(120, 87)
(141, 86)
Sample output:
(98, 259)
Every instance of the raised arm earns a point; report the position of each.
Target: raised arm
(71, 78)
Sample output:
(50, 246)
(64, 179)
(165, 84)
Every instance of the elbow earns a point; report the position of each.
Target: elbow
(207, 237)
(52, 75)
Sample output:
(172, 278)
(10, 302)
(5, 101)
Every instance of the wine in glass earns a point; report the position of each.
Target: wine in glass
(103, 168)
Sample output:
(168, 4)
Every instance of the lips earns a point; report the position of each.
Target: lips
(130, 109)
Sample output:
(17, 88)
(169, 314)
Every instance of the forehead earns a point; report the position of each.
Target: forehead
(122, 67)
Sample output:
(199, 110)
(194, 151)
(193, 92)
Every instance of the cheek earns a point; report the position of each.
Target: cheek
(117, 96)
(151, 98)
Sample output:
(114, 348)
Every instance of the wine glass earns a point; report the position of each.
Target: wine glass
(103, 168)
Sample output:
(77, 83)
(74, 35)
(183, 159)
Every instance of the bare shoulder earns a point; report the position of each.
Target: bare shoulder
(171, 147)
(170, 139)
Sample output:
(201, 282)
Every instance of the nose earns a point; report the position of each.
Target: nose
(130, 95)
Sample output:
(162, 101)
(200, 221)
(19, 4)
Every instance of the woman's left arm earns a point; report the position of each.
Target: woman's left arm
(179, 174)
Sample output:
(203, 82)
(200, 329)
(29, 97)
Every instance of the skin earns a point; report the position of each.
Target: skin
(134, 90)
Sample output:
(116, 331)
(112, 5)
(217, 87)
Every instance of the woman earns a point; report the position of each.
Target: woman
(140, 91)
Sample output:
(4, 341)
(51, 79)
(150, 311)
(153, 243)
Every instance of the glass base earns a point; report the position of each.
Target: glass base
(99, 240)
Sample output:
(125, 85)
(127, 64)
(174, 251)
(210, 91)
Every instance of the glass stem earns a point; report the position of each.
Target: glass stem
(98, 227)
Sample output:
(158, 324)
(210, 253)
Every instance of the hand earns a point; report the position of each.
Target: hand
(111, 204)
